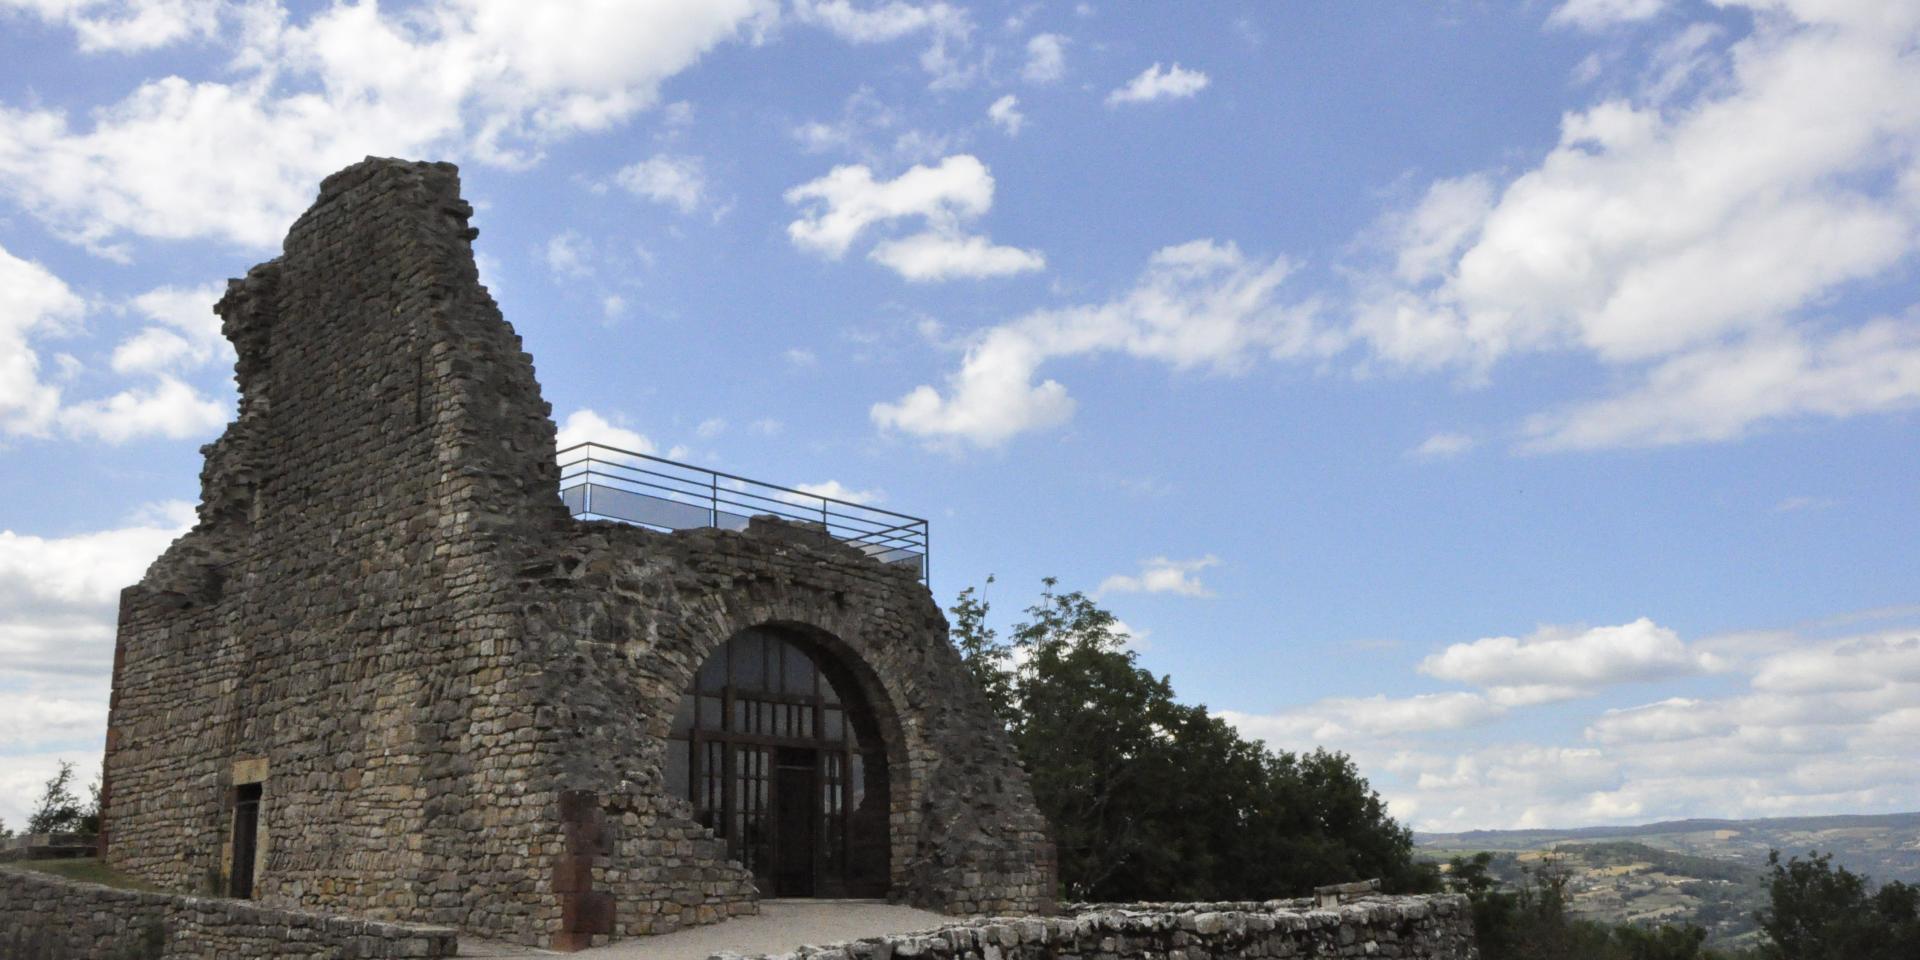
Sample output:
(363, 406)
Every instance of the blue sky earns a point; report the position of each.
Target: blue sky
(1520, 397)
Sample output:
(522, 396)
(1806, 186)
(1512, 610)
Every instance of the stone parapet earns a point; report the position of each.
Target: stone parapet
(1416, 927)
(45, 917)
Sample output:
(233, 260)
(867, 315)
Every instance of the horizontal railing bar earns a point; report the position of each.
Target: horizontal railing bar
(718, 473)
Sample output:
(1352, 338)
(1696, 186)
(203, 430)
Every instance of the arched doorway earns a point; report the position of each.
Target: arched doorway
(781, 754)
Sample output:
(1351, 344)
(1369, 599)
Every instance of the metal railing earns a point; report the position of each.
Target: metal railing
(599, 482)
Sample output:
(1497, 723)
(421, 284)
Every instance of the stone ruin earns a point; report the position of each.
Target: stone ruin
(388, 674)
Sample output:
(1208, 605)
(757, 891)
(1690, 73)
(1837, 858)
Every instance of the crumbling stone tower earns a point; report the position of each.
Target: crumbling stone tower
(388, 674)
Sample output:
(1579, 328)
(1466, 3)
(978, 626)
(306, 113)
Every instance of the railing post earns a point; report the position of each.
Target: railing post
(713, 500)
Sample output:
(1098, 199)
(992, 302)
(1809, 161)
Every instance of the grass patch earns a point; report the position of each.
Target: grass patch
(87, 870)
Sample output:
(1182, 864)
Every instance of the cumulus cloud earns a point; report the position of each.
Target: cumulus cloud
(941, 256)
(1201, 304)
(34, 303)
(1599, 14)
(680, 182)
(1648, 238)
(127, 26)
(1046, 58)
(1571, 659)
(586, 426)
(1005, 114)
(237, 160)
(1159, 83)
(1163, 575)
(1792, 725)
(58, 596)
(839, 207)
(948, 28)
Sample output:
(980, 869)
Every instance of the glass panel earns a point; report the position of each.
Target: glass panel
(709, 713)
(749, 661)
(713, 673)
(678, 768)
(683, 718)
(858, 782)
(796, 670)
(828, 694)
(836, 725)
(806, 722)
(741, 722)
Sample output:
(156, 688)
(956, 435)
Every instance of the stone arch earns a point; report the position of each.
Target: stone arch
(872, 669)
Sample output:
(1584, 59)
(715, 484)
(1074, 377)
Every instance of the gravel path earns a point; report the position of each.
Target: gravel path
(781, 926)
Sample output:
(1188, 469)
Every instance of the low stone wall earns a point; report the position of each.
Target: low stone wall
(1425, 928)
(45, 917)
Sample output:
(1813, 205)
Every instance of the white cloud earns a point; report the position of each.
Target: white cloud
(1649, 237)
(800, 357)
(58, 597)
(239, 160)
(1046, 58)
(848, 200)
(33, 302)
(165, 408)
(1558, 657)
(1442, 445)
(1158, 83)
(586, 426)
(1723, 392)
(1863, 663)
(127, 26)
(680, 182)
(185, 332)
(1599, 14)
(1163, 575)
(1338, 720)
(947, 26)
(834, 489)
(1799, 725)
(942, 256)
(842, 205)
(570, 255)
(710, 428)
(1198, 304)
(1005, 114)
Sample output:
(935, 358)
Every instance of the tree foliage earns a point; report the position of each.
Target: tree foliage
(1823, 912)
(1152, 799)
(60, 811)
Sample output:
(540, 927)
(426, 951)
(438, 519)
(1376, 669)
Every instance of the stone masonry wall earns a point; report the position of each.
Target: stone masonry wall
(44, 917)
(1424, 928)
(453, 695)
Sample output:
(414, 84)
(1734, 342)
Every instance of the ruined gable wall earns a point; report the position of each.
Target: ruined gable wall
(331, 613)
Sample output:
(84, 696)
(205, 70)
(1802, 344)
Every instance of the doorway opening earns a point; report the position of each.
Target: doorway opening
(246, 834)
(781, 755)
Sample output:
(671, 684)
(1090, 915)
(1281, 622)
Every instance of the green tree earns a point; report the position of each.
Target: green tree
(1823, 912)
(981, 650)
(1152, 799)
(59, 810)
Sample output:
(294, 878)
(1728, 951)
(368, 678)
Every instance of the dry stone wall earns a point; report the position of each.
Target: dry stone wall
(43, 917)
(452, 696)
(1425, 928)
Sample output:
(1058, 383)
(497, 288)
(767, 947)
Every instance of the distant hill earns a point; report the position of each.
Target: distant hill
(1621, 881)
(1883, 846)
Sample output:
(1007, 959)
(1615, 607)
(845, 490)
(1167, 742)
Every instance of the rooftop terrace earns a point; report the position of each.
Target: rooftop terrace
(599, 482)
